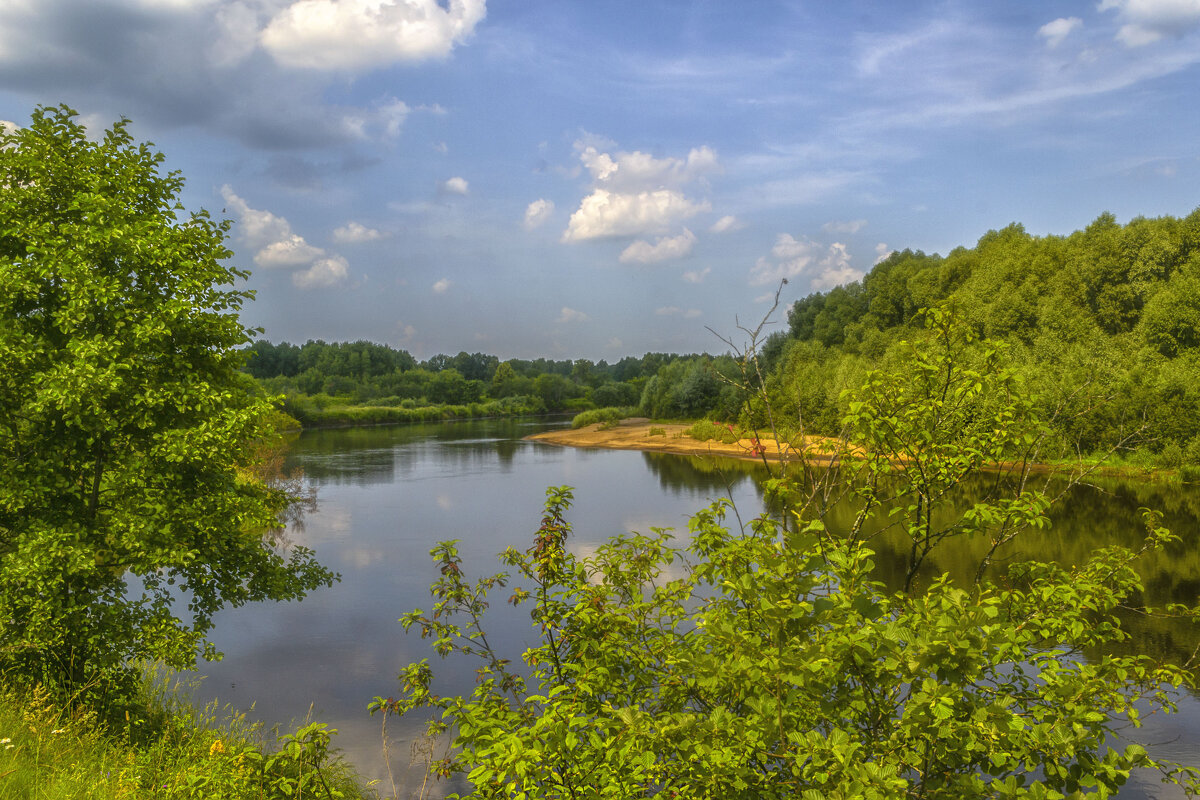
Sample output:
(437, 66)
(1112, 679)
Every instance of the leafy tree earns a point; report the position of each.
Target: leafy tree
(128, 514)
(767, 660)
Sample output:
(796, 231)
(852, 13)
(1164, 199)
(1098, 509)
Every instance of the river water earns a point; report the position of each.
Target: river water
(386, 495)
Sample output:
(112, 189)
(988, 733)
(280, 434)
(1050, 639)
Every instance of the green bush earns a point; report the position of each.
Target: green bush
(706, 430)
(765, 660)
(601, 415)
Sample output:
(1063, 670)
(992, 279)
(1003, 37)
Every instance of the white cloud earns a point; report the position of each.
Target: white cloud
(635, 193)
(615, 344)
(441, 286)
(571, 315)
(603, 213)
(632, 171)
(697, 276)
(727, 224)
(664, 249)
(672, 311)
(363, 34)
(292, 251)
(258, 228)
(792, 258)
(456, 185)
(277, 246)
(324, 272)
(354, 233)
(847, 226)
(882, 251)
(1054, 32)
(537, 213)
(1147, 21)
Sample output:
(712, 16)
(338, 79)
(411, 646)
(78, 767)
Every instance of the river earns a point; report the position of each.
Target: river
(386, 495)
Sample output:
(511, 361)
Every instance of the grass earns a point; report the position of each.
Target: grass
(177, 751)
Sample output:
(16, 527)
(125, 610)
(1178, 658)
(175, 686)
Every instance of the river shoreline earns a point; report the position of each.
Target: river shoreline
(666, 437)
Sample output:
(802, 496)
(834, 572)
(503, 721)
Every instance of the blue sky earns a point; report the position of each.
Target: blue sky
(597, 179)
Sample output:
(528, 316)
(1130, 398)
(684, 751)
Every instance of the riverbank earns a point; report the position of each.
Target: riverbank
(639, 433)
(666, 437)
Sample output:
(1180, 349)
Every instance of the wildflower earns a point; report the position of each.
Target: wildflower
(5, 740)
(217, 747)
(57, 731)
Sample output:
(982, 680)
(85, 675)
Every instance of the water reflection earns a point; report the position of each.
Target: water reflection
(388, 494)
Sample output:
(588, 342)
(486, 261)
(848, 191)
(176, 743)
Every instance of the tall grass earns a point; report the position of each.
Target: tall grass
(173, 751)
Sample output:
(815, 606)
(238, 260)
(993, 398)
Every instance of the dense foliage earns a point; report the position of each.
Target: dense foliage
(767, 659)
(127, 515)
(1103, 324)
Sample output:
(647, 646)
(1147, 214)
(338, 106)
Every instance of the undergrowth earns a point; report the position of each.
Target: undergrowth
(171, 751)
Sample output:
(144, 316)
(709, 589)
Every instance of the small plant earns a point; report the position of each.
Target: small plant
(707, 430)
(655, 431)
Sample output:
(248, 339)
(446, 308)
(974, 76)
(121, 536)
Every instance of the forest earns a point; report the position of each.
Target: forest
(1102, 325)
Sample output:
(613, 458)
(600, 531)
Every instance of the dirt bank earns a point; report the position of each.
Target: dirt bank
(635, 434)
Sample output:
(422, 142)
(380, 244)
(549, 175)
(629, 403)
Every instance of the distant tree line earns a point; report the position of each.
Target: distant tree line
(317, 375)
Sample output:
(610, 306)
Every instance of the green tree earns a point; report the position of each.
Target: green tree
(767, 661)
(128, 512)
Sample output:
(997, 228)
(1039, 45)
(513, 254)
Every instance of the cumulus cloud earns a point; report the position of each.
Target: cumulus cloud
(1054, 32)
(630, 171)
(363, 34)
(276, 246)
(571, 315)
(202, 65)
(323, 273)
(292, 251)
(537, 213)
(635, 193)
(727, 224)
(441, 286)
(1147, 21)
(456, 185)
(696, 276)
(882, 251)
(665, 248)
(355, 233)
(604, 214)
(792, 258)
(847, 226)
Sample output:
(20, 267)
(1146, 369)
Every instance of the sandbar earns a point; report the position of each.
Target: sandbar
(635, 434)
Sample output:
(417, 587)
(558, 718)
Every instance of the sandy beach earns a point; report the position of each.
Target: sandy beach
(634, 434)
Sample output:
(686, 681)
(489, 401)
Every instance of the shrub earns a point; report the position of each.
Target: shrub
(602, 415)
(765, 661)
(706, 430)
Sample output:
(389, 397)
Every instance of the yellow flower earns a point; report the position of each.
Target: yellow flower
(217, 747)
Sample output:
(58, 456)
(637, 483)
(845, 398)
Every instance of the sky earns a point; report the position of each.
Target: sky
(551, 178)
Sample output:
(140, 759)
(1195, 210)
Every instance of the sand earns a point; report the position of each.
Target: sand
(634, 434)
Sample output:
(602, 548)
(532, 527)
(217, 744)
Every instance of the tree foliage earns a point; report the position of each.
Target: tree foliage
(128, 517)
(1096, 321)
(767, 659)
